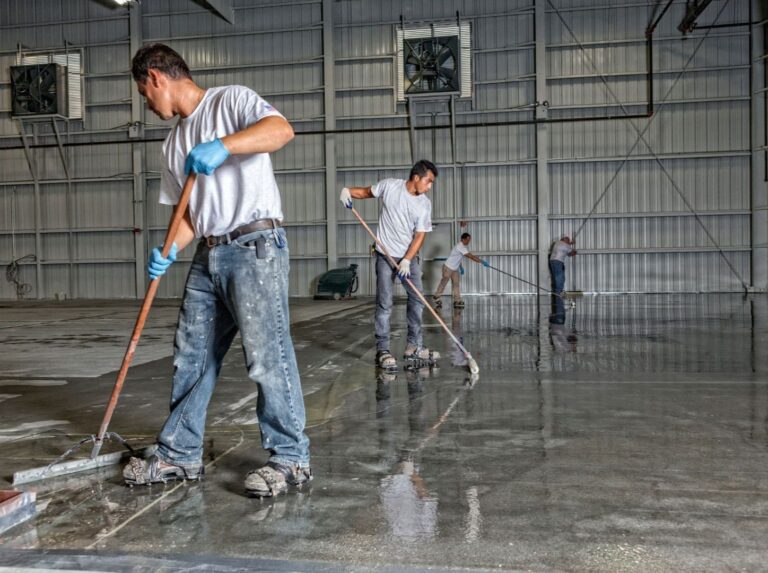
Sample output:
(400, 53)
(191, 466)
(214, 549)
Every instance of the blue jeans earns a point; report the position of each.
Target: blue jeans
(385, 286)
(557, 270)
(229, 289)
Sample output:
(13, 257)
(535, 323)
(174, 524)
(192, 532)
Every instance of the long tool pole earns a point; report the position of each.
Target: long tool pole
(526, 282)
(170, 235)
(473, 367)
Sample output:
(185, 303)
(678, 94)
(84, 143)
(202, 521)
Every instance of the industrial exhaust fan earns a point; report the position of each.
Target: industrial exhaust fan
(434, 60)
(431, 65)
(38, 89)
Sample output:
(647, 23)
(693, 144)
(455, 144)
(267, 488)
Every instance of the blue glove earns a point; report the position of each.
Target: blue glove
(157, 264)
(205, 157)
(461, 269)
(485, 263)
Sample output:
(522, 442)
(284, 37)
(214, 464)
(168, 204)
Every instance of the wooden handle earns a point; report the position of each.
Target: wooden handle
(173, 228)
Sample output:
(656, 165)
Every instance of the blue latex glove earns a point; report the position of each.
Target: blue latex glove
(485, 263)
(461, 269)
(205, 157)
(157, 264)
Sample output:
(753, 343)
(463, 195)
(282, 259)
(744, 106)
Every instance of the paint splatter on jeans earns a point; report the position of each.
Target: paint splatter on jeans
(229, 288)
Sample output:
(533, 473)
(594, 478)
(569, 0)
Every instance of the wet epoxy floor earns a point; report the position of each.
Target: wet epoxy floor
(633, 437)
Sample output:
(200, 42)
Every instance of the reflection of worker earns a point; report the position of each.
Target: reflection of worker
(409, 508)
(458, 358)
(451, 272)
(561, 249)
(562, 341)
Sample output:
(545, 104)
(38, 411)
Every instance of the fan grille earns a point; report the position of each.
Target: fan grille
(431, 65)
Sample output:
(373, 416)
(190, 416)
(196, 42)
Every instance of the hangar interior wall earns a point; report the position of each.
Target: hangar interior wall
(681, 210)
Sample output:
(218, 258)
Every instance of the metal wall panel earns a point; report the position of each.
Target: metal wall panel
(642, 236)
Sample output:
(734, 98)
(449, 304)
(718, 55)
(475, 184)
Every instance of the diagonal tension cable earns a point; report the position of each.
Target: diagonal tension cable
(641, 134)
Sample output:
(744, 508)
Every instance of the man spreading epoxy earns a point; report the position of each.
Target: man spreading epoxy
(561, 249)
(239, 275)
(405, 219)
(451, 272)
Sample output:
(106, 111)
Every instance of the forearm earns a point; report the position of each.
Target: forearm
(185, 233)
(472, 257)
(361, 192)
(265, 136)
(416, 243)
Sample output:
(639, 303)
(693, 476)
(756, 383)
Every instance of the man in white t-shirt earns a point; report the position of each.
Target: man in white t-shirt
(238, 280)
(561, 249)
(451, 272)
(405, 219)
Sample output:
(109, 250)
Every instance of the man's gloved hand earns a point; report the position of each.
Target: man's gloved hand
(404, 268)
(346, 198)
(157, 264)
(485, 263)
(205, 157)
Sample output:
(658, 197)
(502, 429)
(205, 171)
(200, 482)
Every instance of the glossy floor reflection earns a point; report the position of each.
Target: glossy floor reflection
(631, 437)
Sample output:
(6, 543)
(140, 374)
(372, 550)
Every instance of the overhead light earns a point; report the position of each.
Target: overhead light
(123, 2)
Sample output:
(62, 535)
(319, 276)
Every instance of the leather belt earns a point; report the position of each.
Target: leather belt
(252, 227)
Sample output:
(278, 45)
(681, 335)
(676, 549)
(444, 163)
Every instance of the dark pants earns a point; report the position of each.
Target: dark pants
(557, 270)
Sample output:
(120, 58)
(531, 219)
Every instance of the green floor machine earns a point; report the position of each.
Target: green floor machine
(337, 284)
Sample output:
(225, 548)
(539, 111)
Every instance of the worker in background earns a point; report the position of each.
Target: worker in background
(560, 250)
(451, 271)
(239, 274)
(405, 219)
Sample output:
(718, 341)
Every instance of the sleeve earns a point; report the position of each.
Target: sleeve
(170, 189)
(251, 107)
(170, 186)
(463, 249)
(380, 188)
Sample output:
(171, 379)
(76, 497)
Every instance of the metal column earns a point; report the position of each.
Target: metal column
(329, 95)
(542, 144)
(136, 130)
(39, 284)
(759, 189)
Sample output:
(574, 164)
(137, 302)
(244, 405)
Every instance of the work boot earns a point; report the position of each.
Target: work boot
(276, 478)
(420, 356)
(386, 361)
(458, 304)
(154, 470)
(437, 302)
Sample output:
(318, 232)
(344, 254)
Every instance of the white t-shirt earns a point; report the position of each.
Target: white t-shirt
(243, 188)
(457, 253)
(402, 215)
(560, 251)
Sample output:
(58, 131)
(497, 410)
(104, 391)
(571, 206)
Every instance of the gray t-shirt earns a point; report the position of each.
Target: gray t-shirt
(402, 215)
(560, 251)
(243, 188)
(453, 261)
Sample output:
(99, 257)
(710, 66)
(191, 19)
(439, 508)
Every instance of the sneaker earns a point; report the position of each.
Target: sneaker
(459, 304)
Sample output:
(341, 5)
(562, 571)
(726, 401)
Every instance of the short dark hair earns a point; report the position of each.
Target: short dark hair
(465, 236)
(161, 58)
(421, 168)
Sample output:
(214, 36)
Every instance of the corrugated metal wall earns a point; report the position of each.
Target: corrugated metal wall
(641, 237)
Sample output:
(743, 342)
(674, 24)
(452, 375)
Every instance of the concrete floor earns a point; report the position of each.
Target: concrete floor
(634, 437)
